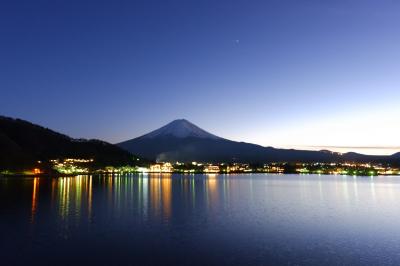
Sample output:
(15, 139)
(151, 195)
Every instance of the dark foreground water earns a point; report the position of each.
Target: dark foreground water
(200, 220)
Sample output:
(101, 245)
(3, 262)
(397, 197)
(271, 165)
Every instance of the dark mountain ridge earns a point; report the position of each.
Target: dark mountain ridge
(22, 144)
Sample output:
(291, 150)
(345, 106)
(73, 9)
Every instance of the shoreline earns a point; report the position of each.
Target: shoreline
(45, 175)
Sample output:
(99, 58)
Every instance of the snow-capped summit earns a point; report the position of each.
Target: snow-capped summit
(180, 128)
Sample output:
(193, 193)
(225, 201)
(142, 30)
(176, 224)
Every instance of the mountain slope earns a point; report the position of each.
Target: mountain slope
(396, 155)
(210, 150)
(167, 144)
(23, 143)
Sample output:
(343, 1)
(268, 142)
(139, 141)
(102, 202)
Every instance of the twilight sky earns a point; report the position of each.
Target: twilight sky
(304, 74)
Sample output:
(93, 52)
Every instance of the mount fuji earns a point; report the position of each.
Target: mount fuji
(182, 141)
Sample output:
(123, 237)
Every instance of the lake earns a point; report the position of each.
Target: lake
(248, 219)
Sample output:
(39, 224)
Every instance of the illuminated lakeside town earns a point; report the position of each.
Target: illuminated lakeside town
(75, 166)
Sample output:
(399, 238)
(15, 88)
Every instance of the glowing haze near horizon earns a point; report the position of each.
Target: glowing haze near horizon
(302, 74)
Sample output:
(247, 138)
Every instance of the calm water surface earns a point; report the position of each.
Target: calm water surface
(252, 219)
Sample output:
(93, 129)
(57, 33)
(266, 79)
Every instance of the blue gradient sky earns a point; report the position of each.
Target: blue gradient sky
(302, 74)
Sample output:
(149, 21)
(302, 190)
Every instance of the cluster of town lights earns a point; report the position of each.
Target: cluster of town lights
(84, 166)
(280, 168)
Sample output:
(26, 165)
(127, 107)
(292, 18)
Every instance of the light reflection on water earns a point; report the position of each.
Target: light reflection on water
(72, 196)
(35, 195)
(217, 219)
